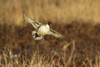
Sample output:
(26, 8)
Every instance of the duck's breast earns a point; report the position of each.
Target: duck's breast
(43, 30)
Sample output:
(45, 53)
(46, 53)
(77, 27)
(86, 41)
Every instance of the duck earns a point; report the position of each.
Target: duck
(41, 29)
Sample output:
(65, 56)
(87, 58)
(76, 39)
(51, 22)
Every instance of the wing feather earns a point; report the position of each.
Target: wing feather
(29, 20)
(55, 33)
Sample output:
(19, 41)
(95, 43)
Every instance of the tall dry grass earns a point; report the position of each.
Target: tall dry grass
(58, 11)
(8, 59)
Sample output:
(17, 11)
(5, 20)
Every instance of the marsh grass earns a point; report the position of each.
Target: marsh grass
(54, 52)
(8, 59)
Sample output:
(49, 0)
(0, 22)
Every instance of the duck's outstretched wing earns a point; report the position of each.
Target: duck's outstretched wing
(56, 34)
(29, 20)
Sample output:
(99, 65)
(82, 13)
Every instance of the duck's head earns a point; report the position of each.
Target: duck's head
(49, 23)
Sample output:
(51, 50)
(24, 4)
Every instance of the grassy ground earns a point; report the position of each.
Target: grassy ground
(80, 26)
(85, 37)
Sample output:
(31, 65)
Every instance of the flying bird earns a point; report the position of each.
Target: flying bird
(41, 29)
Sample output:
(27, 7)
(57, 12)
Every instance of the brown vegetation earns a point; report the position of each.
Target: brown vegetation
(85, 35)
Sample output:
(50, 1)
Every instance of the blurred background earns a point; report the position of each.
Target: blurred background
(77, 20)
(57, 11)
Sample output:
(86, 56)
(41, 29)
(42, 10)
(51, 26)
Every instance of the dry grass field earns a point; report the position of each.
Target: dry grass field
(77, 20)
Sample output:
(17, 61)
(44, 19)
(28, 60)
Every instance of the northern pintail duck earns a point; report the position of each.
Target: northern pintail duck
(41, 29)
